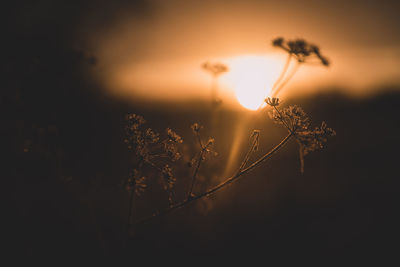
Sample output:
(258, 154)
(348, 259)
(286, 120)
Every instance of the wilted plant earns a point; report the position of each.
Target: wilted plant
(155, 153)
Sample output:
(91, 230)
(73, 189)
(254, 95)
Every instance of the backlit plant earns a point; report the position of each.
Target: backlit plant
(215, 69)
(155, 155)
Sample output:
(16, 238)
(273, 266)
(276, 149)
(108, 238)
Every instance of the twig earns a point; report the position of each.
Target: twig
(196, 170)
(282, 120)
(251, 148)
(221, 185)
(199, 160)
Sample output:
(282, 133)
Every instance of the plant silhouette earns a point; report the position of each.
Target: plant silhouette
(216, 70)
(154, 154)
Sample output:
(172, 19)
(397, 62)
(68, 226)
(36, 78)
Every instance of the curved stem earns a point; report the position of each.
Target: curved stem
(281, 76)
(247, 157)
(290, 76)
(283, 72)
(268, 155)
(223, 184)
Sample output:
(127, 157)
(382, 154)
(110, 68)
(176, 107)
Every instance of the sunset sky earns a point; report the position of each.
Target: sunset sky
(154, 49)
(163, 48)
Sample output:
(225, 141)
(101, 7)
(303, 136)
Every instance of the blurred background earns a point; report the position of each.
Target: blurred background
(73, 69)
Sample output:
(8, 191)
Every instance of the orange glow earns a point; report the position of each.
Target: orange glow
(251, 77)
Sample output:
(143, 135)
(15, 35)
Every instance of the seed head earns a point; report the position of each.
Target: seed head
(273, 102)
(174, 137)
(216, 68)
(301, 50)
(278, 41)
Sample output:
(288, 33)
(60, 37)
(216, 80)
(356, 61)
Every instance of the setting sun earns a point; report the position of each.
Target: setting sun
(251, 77)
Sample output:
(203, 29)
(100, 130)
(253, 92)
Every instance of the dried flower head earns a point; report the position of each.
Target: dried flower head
(151, 136)
(171, 150)
(173, 136)
(277, 41)
(273, 102)
(301, 50)
(293, 117)
(297, 122)
(215, 69)
(134, 120)
(151, 152)
(311, 140)
(136, 182)
(168, 181)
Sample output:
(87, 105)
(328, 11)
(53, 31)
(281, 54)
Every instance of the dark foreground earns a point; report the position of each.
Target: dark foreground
(69, 207)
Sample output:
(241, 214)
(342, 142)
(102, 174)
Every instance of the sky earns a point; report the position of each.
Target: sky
(154, 49)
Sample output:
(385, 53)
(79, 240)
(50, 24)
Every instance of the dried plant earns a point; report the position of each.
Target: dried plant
(215, 69)
(152, 151)
(300, 52)
(152, 154)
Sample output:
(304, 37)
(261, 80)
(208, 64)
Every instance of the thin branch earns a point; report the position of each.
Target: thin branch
(292, 129)
(200, 159)
(196, 170)
(251, 148)
(266, 156)
(282, 120)
(221, 185)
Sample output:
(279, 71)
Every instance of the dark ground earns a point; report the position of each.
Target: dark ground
(65, 160)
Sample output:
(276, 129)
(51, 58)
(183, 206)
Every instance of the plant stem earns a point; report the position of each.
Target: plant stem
(282, 120)
(247, 157)
(283, 72)
(199, 140)
(214, 89)
(198, 164)
(290, 76)
(221, 185)
(195, 173)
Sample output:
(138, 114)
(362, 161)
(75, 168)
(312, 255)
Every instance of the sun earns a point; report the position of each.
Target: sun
(251, 77)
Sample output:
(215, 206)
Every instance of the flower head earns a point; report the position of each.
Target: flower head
(301, 50)
(216, 68)
(273, 102)
(173, 136)
(277, 41)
